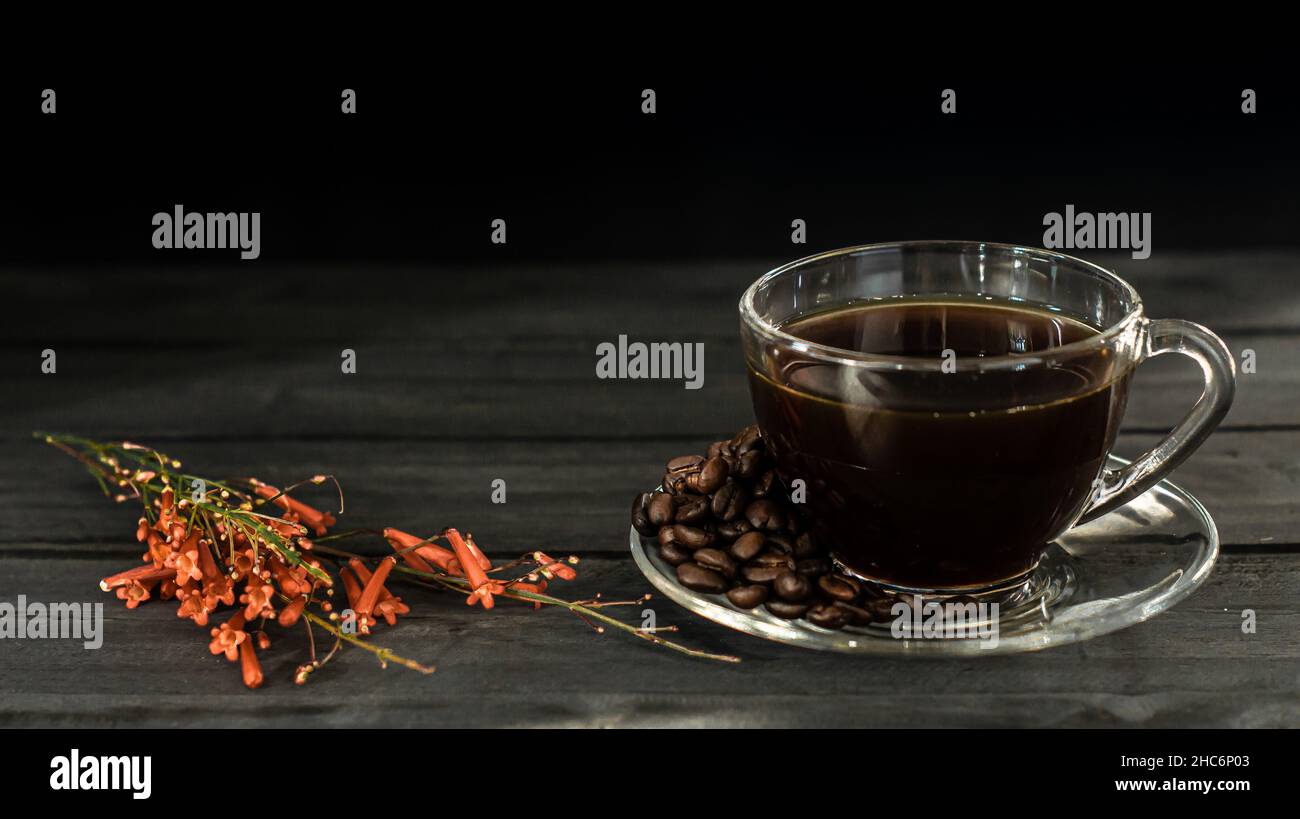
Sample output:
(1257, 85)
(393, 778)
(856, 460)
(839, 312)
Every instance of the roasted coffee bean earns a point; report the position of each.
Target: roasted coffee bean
(749, 464)
(685, 463)
(881, 608)
(729, 501)
(673, 484)
(782, 543)
(764, 484)
(806, 546)
(761, 574)
(693, 537)
(795, 523)
(856, 615)
(692, 509)
(694, 576)
(641, 516)
(747, 439)
(710, 478)
(839, 587)
(791, 586)
(765, 515)
(748, 546)
(732, 529)
(660, 509)
(827, 616)
(717, 560)
(770, 558)
(674, 555)
(747, 597)
(813, 567)
(667, 536)
(718, 449)
(786, 610)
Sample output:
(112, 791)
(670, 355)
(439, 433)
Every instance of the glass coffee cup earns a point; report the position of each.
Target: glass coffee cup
(946, 409)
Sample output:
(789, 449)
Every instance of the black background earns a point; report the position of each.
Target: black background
(857, 148)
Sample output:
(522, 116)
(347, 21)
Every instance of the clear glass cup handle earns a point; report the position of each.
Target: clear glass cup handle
(1116, 487)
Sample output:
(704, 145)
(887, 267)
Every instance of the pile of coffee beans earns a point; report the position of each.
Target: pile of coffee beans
(724, 520)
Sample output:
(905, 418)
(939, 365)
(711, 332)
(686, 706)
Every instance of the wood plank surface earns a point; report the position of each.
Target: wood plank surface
(467, 374)
(1191, 666)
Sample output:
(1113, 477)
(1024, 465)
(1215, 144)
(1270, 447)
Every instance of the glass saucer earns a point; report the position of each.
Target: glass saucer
(1120, 569)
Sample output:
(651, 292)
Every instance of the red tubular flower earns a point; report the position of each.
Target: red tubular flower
(243, 563)
(353, 590)
(422, 556)
(220, 589)
(145, 572)
(481, 589)
(318, 521)
(193, 604)
(290, 613)
(473, 571)
(550, 567)
(389, 606)
(186, 561)
(136, 592)
(227, 638)
(483, 562)
(257, 598)
(207, 564)
(158, 549)
(351, 587)
(248, 663)
(370, 594)
(292, 583)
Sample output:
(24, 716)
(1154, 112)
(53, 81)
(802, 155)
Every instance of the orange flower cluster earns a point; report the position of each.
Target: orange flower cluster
(200, 562)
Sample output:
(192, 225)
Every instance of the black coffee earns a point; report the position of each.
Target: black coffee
(941, 479)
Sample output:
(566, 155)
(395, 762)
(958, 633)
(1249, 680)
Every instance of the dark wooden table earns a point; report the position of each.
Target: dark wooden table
(470, 374)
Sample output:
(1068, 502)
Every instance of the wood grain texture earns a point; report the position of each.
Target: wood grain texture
(1191, 666)
(467, 374)
(571, 495)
